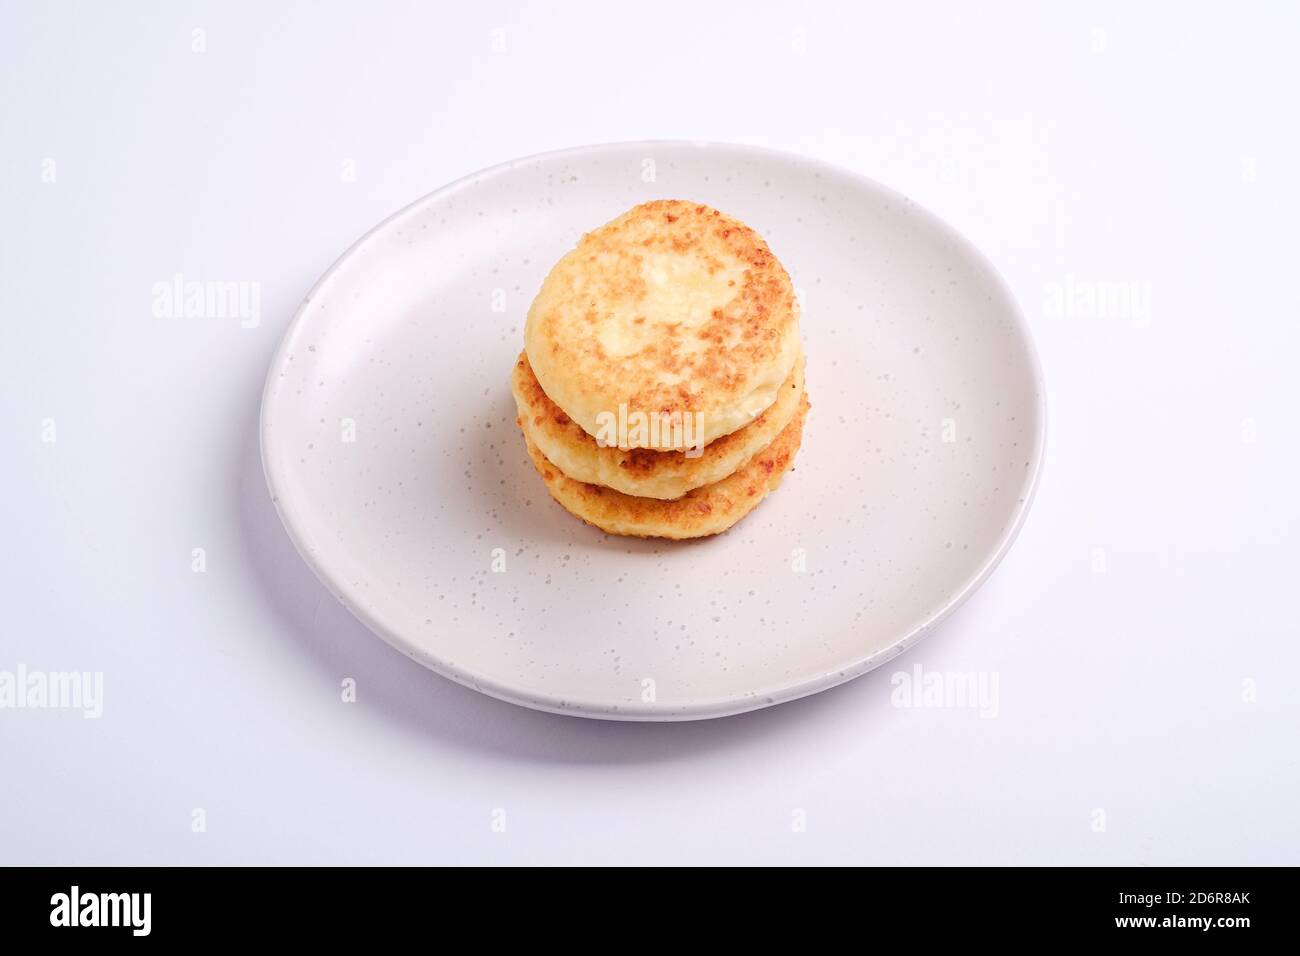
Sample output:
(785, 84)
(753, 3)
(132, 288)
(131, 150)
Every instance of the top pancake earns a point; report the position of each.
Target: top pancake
(673, 312)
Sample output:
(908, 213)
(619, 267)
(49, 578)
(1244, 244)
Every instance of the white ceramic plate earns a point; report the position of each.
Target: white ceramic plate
(390, 447)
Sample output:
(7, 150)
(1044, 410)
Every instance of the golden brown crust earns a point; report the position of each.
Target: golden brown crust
(641, 471)
(708, 510)
(674, 307)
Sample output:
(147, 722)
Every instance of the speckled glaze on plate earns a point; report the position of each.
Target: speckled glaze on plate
(390, 448)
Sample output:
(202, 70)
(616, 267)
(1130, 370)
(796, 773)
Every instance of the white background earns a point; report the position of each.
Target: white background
(1086, 142)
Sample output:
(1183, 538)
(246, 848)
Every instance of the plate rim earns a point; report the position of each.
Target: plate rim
(705, 708)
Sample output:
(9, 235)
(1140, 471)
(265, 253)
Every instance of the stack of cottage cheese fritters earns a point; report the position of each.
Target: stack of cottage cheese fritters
(660, 390)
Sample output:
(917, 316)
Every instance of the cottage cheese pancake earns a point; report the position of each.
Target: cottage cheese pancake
(639, 471)
(667, 328)
(707, 510)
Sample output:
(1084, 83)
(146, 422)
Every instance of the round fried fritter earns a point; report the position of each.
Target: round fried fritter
(641, 471)
(673, 315)
(708, 510)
